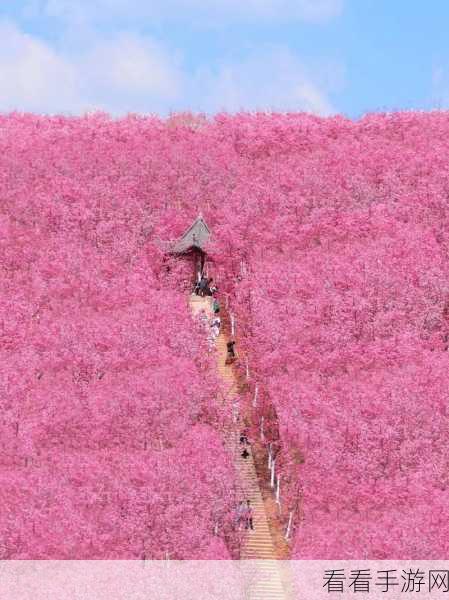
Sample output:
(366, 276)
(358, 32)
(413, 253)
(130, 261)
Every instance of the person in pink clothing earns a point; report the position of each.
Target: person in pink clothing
(216, 324)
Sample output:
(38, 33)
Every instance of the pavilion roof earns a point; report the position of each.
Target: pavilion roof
(195, 236)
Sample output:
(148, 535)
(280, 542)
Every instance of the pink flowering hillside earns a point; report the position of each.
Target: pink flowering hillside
(110, 427)
(330, 238)
(343, 300)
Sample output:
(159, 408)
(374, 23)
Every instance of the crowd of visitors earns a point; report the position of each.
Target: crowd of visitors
(205, 287)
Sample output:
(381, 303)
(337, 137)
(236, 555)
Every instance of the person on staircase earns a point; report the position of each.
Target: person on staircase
(216, 306)
(212, 287)
(249, 516)
(196, 288)
(203, 286)
(231, 352)
(216, 324)
(240, 515)
(245, 453)
(244, 436)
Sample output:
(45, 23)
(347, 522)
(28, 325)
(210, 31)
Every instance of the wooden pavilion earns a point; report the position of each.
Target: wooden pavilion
(192, 244)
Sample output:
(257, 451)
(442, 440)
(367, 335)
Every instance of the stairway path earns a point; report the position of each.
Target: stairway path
(258, 544)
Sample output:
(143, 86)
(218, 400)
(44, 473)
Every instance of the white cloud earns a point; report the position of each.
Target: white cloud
(270, 79)
(210, 12)
(440, 88)
(32, 75)
(133, 73)
(127, 73)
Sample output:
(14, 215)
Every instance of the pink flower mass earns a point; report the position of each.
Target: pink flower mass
(331, 242)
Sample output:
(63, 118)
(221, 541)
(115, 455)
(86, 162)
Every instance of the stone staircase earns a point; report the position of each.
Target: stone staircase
(258, 548)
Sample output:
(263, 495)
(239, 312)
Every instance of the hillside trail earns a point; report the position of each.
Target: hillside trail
(258, 544)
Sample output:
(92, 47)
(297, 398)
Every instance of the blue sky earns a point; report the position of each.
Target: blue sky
(322, 56)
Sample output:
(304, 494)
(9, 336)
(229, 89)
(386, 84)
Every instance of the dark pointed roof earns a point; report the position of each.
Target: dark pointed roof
(196, 236)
